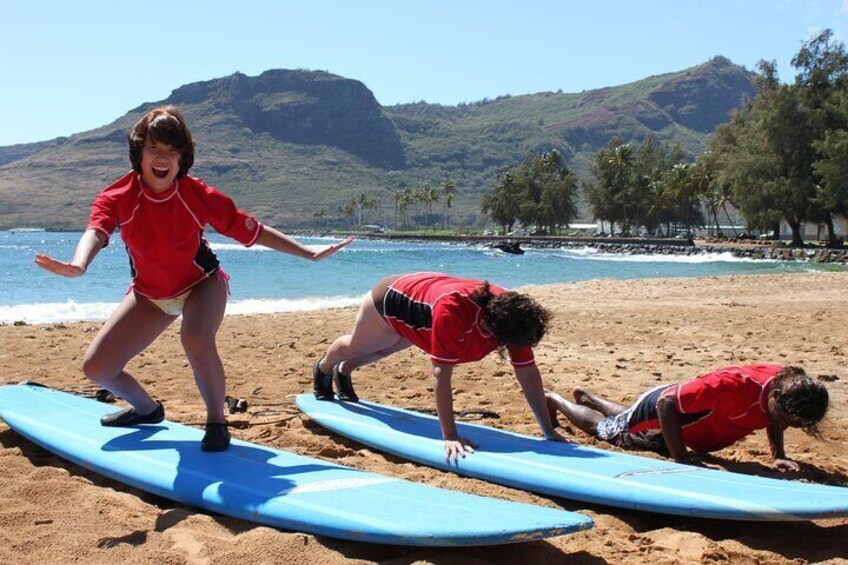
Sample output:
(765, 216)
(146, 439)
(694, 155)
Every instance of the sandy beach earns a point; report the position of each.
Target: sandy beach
(615, 337)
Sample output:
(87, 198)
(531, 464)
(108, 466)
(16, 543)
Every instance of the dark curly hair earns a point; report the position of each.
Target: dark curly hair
(802, 397)
(165, 124)
(514, 319)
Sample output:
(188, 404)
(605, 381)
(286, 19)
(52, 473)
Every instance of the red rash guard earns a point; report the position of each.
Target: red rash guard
(722, 407)
(163, 233)
(436, 313)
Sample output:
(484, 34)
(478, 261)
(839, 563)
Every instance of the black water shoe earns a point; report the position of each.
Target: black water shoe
(129, 417)
(216, 438)
(344, 386)
(322, 385)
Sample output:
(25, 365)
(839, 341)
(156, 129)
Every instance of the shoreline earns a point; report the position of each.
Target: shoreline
(248, 307)
(643, 246)
(742, 249)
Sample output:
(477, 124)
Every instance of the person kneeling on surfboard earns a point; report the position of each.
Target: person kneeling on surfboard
(705, 414)
(456, 321)
(162, 212)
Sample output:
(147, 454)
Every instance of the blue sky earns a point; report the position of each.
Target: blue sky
(72, 66)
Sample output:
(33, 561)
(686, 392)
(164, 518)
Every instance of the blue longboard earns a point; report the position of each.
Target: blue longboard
(270, 486)
(578, 472)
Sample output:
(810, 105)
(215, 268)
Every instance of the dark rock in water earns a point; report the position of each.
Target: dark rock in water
(509, 247)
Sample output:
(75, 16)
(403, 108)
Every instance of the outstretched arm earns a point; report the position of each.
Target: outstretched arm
(672, 429)
(455, 446)
(779, 459)
(91, 242)
(280, 242)
(534, 391)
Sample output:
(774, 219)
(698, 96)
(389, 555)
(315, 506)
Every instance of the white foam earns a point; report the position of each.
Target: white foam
(593, 254)
(270, 306)
(51, 313)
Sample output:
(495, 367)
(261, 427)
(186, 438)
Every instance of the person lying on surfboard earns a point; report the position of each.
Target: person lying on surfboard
(453, 319)
(162, 212)
(704, 414)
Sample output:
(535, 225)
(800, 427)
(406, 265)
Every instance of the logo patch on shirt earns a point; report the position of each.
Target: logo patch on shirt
(250, 224)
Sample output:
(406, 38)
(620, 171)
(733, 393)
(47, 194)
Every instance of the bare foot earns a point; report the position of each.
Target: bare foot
(580, 396)
(597, 403)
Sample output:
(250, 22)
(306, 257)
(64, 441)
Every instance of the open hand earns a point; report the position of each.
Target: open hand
(554, 435)
(458, 447)
(786, 465)
(58, 267)
(325, 251)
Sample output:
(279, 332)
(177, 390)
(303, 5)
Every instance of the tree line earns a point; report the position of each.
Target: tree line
(406, 203)
(783, 156)
(539, 192)
(649, 186)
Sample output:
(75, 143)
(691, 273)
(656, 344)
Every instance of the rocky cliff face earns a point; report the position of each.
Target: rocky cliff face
(705, 96)
(698, 99)
(304, 107)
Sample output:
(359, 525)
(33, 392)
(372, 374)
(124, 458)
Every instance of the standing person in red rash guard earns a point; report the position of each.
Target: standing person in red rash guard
(162, 212)
(705, 414)
(455, 321)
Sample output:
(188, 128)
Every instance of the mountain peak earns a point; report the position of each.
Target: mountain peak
(704, 96)
(301, 107)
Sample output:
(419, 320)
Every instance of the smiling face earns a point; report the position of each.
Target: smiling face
(161, 148)
(160, 164)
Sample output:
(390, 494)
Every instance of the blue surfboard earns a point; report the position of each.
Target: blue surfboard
(270, 486)
(578, 472)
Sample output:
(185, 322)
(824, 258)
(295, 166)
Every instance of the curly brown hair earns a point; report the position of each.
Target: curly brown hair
(514, 319)
(802, 397)
(165, 124)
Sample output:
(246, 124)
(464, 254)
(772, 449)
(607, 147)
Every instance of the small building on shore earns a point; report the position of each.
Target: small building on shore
(812, 231)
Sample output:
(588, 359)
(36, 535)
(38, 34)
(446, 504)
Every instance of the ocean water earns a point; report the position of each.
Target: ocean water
(264, 281)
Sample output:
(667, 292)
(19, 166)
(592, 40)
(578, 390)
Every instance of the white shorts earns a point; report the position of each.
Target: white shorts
(172, 306)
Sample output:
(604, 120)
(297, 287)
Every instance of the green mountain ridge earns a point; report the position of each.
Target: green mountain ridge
(291, 144)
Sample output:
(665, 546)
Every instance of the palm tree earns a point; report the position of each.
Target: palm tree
(449, 190)
(345, 210)
(660, 203)
(428, 196)
(682, 182)
(406, 198)
(362, 203)
(621, 164)
(396, 197)
(703, 178)
(502, 204)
